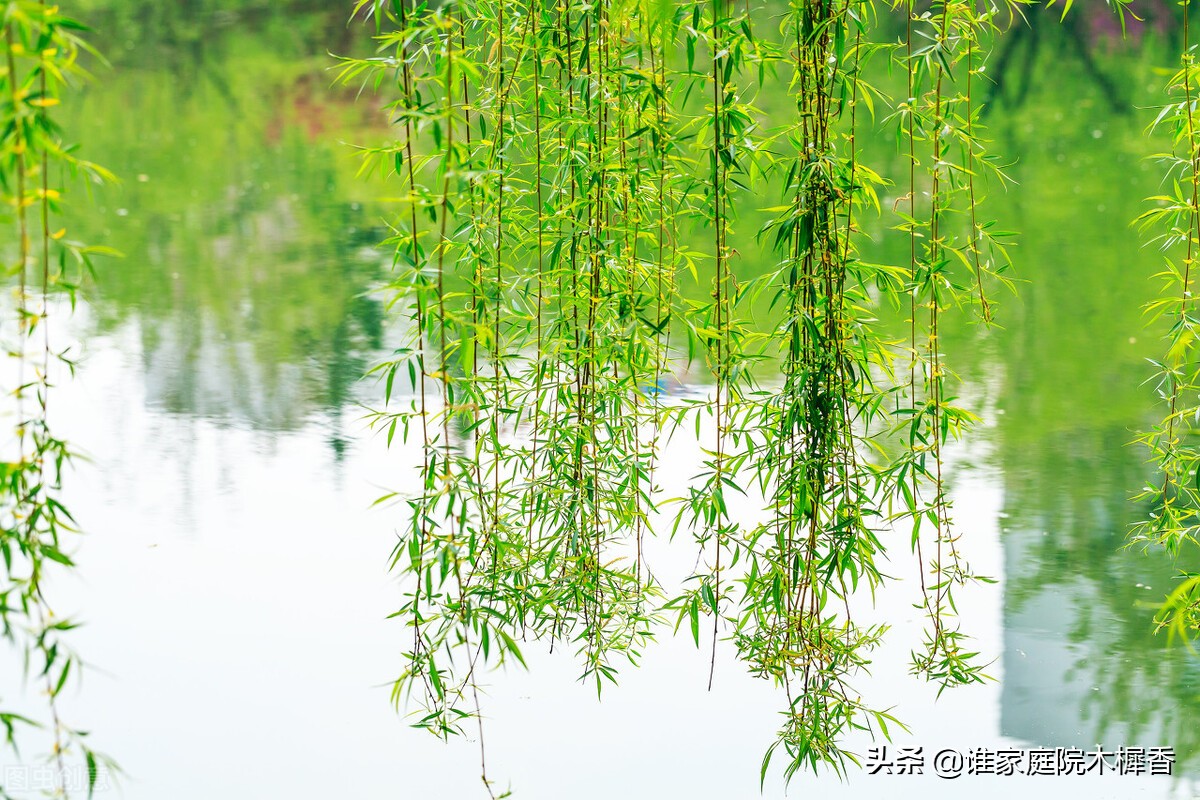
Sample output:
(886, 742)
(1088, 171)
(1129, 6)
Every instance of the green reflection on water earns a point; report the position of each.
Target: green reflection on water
(248, 251)
(1065, 381)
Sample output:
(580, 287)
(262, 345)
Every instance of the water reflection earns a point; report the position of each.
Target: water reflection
(248, 263)
(1082, 664)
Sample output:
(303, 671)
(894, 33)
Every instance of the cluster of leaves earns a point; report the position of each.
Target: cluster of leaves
(41, 51)
(952, 257)
(571, 177)
(1173, 224)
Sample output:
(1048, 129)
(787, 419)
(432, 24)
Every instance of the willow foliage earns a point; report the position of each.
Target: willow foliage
(572, 180)
(1173, 224)
(41, 59)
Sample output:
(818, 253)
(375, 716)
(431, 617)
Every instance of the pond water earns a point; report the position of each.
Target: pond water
(234, 579)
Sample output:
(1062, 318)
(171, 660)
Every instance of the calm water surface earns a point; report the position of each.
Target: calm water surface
(234, 582)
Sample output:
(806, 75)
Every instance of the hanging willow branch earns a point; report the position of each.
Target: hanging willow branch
(41, 60)
(1173, 517)
(583, 169)
(821, 538)
(942, 52)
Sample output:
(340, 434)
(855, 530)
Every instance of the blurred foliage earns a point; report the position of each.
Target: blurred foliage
(249, 253)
